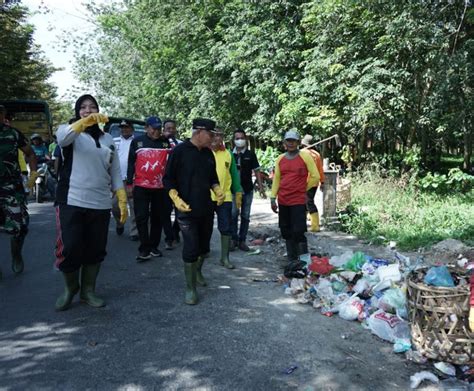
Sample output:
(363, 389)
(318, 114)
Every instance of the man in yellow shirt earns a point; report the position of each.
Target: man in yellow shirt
(229, 182)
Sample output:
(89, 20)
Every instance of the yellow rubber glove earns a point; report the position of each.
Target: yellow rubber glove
(122, 204)
(91, 119)
(220, 196)
(238, 200)
(178, 202)
(471, 319)
(32, 179)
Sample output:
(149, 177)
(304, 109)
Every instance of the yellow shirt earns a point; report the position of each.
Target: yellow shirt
(227, 173)
(21, 161)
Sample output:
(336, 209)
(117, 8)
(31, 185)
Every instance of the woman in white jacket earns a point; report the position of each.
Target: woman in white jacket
(89, 171)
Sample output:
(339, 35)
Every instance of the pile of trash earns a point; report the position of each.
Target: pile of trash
(372, 291)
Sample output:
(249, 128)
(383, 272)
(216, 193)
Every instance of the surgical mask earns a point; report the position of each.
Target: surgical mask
(239, 143)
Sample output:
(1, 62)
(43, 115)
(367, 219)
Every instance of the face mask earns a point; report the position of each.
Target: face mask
(239, 143)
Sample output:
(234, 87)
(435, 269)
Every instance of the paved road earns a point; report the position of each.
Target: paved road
(242, 335)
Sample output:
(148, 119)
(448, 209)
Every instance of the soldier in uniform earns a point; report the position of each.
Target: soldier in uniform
(13, 209)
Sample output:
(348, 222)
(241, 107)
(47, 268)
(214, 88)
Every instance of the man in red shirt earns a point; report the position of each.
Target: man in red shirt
(295, 173)
(147, 160)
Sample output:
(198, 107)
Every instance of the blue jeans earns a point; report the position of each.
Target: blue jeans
(224, 218)
(247, 199)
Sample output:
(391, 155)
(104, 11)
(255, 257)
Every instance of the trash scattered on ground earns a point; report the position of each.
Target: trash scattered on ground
(265, 279)
(372, 291)
(290, 370)
(254, 252)
(419, 377)
(257, 242)
(446, 368)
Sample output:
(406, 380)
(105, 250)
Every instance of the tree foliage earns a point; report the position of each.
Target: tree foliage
(387, 76)
(24, 71)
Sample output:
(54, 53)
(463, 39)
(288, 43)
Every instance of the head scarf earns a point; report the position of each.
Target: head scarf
(93, 130)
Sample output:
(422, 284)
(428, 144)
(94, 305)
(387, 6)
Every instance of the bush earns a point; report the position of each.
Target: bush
(384, 209)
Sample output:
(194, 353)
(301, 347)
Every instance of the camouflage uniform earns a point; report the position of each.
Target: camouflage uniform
(13, 209)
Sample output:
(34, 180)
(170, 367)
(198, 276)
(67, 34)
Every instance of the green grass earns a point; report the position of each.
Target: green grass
(386, 209)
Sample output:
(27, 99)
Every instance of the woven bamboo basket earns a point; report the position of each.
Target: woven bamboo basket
(439, 320)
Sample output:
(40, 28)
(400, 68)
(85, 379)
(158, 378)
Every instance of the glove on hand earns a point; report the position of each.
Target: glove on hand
(274, 205)
(122, 204)
(178, 202)
(91, 119)
(238, 200)
(32, 179)
(220, 196)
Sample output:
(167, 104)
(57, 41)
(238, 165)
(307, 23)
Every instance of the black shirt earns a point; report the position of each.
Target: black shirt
(246, 162)
(192, 172)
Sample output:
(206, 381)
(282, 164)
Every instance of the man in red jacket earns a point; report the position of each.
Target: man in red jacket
(146, 167)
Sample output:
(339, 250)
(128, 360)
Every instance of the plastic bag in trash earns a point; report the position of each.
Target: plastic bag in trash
(351, 309)
(388, 326)
(446, 368)
(439, 276)
(418, 377)
(339, 260)
(356, 262)
(387, 275)
(392, 300)
(320, 265)
(401, 345)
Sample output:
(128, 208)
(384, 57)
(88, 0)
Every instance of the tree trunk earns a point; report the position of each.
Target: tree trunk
(467, 149)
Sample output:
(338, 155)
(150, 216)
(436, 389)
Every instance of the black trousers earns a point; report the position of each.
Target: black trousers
(310, 205)
(197, 232)
(292, 222)
(81, 236)
(152, 211)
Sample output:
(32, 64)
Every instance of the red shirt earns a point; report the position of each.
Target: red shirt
(293, 181)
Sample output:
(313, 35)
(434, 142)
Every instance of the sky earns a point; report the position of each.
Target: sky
(64, 17)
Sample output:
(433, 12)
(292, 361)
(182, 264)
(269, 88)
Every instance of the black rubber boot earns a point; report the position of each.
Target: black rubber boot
(225, 244)
(72, 287)
(190, 274)
(302, 248)
(88, 280)
(16, 245)
(199, 277)
(291, 250)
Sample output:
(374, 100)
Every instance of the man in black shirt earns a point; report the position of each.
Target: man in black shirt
(190, 175)
(246, 162)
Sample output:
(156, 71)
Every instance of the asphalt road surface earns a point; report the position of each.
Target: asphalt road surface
(243, 335)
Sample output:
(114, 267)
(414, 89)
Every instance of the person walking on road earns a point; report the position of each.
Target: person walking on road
(229, 182)
(247, 162)
(89, 172)
(146, 167)
(13, 210)
(295, 173)
(169, 130)
(190, 173)
(123, 148)
(310, 205)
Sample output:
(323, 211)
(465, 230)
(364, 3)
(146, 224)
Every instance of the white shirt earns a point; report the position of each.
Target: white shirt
(89, 172)
(123, 147)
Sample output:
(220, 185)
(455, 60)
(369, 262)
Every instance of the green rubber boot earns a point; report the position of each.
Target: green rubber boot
(88, 279)
(16, 245)
(201, 281)
(190, 274)
(225, 245)
(71, 288)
